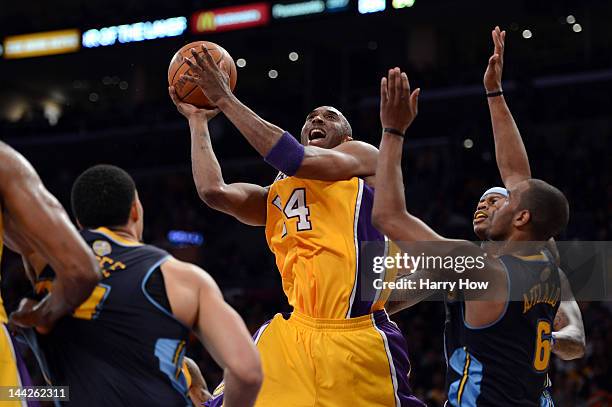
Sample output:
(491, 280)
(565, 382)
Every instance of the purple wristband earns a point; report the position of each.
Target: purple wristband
(286, 155)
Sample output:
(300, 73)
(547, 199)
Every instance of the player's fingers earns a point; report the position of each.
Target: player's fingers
(190, 78)
(198, 59)
(493, 59)
(207, 55)
(223, 69)
(390, 88)
(384, 95)
(193, 66)
(414, 100)
(172, 93)
(405, 85)
(397, 84)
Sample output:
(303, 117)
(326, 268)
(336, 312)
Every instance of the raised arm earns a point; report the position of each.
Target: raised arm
(510, 151)
(568, 334)
(398, 108)
(246, 202)
(219, 328)
(44, 227)
(279, 148)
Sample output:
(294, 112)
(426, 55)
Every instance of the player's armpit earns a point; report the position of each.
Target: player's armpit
(349, 159)
(245, 202)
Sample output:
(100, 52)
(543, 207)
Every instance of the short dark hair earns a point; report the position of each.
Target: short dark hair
(102, 196)
(548, 208)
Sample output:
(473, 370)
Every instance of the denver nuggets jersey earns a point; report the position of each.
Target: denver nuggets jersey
(3, 316)
(315, 230)
(122, 346)
(506, 363)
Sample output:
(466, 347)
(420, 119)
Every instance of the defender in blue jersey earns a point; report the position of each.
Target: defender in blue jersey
(498, 351)
(124, 346)
(567, 334)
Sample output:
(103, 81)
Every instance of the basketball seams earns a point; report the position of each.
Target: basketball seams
(218, 54)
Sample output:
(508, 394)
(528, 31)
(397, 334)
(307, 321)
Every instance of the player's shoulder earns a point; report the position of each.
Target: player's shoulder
(13, 165)
(357, 146)
(188, 273)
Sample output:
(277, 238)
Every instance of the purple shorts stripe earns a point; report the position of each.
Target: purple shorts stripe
(397, 352)
(365, 292)
(22, 370)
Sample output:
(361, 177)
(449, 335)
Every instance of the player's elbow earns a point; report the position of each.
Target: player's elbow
(212, 196)
(247, 371)
(386, 223)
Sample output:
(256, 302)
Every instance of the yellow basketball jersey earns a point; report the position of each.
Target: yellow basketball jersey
(3, 317)
(316, 230)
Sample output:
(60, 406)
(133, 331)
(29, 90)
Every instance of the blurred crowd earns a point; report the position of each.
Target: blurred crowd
(449, 161)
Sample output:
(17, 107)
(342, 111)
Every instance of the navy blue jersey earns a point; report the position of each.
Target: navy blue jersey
(506, 362)
(122, 346)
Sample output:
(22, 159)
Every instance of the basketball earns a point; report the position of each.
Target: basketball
(189, 92)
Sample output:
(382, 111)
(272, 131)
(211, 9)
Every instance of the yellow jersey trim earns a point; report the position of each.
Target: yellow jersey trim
(465, 376)
(533, 257)
(116, 238)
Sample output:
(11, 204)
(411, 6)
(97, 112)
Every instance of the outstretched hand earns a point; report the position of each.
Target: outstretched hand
(398, 106)
(493, 74)
(210, 77)
(190, 111)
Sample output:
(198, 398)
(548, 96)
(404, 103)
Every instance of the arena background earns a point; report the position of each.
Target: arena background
(103, 99)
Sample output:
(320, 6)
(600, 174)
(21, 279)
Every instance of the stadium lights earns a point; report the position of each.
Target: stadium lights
(184, 238)
(149, 30)
(298, 9)
(294, 56)
(527, 34)
(336, 5)
(273, 74)
(570, 19)
(371, 6)
(44, 43)
(230, 18)
(241, 62)
(577, 28)
(468, 143)
(402, 3)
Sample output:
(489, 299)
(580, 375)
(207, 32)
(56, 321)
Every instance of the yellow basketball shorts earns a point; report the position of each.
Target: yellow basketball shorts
(12, 370)
(331, 363)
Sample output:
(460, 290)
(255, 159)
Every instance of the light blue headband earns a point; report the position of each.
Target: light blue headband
(495, 190)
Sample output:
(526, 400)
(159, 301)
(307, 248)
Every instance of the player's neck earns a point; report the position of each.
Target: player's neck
(127, 232)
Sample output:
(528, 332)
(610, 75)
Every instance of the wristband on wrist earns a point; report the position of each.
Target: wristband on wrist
(495, 93)
(286, 155)
(391, 130)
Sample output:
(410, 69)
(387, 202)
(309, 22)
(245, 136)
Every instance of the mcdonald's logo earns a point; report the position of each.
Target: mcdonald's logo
(230, 18)
(206, 22)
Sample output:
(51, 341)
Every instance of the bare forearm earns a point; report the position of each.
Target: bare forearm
(389, 199)
(569, 343)
(261, 134)
(510, 152)
(204, 164)
(239, 393)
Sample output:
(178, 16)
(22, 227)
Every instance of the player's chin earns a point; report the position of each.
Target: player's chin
(318, 142)
(480, 230)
